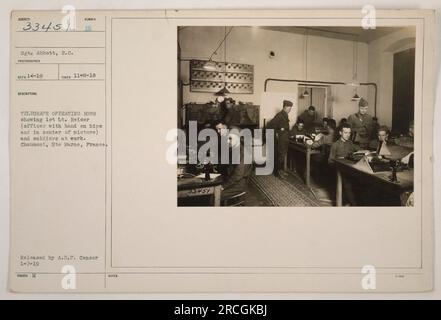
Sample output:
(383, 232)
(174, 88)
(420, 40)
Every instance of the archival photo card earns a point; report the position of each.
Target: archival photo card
(221, 151)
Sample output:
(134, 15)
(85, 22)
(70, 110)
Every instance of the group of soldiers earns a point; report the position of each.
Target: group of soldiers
(359, 131)
(362, 128)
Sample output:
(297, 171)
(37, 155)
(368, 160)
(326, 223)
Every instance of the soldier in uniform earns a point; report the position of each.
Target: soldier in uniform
(406, 140)
(235, 175)
(298, 129)
(340, 149)
(310, 119)
(362, 125)
(382, 139)
(280, 125)
(231, 113)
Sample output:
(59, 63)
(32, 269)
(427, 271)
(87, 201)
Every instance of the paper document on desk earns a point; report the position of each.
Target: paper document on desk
(406, 159)
(365, 152)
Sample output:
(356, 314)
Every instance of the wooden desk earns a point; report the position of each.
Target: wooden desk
(307, 151)
(196, 187)
(378, 180)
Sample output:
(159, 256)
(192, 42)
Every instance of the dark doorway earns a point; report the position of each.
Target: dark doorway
(403, 90)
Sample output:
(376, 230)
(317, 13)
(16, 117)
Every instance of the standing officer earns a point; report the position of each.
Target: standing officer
(362, 124)
(280, 125)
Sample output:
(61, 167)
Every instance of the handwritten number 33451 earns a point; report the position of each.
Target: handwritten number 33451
(29, 26)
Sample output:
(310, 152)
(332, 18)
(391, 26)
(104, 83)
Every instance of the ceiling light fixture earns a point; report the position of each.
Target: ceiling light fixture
(354, 83)
(224, 90)
(356, 97)
(305, 62)
(210, 65)
(306, 93)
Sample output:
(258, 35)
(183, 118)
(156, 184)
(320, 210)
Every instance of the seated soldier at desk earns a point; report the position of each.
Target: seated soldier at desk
(230, 112)
(323, 138)
(381, 140)
(235, 175)
(340, 150)
(326, 122)
(391, 150)
(298, 129)
(406, 140)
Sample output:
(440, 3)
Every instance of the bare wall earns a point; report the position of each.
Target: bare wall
(328, 60)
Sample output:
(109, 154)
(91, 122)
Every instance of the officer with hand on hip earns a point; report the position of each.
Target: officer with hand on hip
(280, 125)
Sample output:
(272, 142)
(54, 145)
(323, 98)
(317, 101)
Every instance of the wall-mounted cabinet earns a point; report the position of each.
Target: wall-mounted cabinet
(236, 77)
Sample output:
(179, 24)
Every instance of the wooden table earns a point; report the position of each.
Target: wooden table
(197, 187)
(377, 180)
(307, 151)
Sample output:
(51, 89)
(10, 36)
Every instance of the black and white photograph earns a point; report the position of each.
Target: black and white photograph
(222, 152)
(296, 116)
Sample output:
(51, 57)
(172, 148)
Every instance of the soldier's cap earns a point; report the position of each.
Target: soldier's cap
(287, 103)
(362, 103)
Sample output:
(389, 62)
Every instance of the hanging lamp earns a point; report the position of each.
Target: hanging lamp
(224, 90)
(354, 83)
(305, 55)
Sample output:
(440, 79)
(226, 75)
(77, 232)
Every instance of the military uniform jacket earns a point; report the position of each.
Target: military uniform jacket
(362, 125)
(340, 149)
(280, 124)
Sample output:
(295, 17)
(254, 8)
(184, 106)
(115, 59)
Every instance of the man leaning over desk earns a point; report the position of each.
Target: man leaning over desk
(235, 175)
